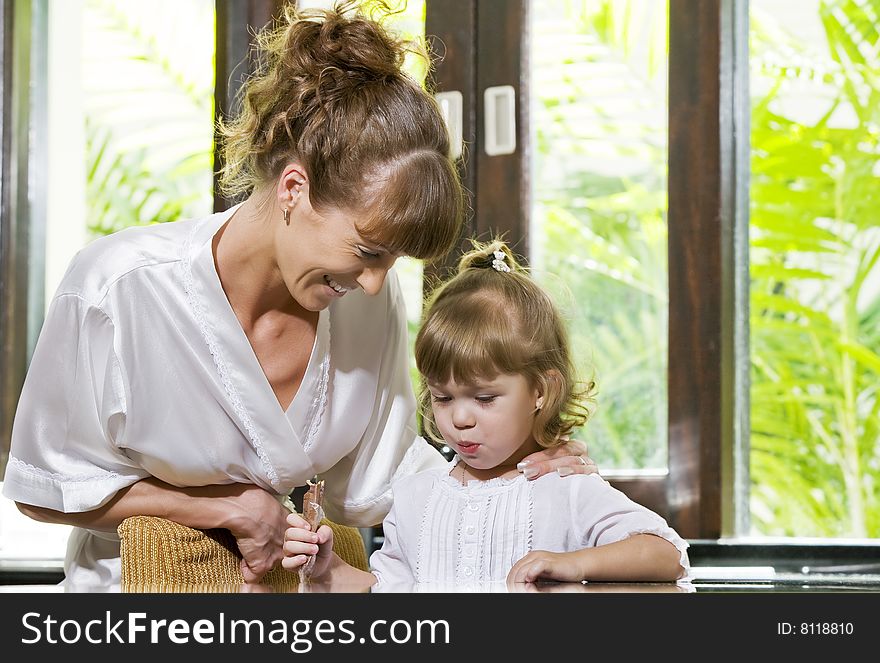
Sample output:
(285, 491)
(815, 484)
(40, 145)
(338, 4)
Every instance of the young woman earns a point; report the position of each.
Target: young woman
(200, 370)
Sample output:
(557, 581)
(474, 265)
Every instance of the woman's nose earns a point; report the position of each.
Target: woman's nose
(372, 278)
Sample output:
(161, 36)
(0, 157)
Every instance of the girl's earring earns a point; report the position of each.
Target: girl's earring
(287, 216)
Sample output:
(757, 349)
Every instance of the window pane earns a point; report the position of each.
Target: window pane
(598, 234)
(815, 273)
(130, 137)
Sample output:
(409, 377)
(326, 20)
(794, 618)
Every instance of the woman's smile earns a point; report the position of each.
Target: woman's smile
(336, 289)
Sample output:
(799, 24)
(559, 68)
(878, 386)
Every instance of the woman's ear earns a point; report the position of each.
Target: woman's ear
(292, 183)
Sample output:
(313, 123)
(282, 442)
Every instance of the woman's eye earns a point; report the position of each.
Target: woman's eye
(365, 253)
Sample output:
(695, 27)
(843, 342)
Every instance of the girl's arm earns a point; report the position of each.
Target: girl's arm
(639, 558)
(253, 515)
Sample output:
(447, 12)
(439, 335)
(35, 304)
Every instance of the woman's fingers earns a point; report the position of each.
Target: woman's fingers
(568, 458)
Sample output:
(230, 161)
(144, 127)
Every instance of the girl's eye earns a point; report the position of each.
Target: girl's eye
(440, 399)
(366, 253)
(486, 399)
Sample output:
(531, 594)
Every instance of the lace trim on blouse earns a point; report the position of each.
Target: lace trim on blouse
(319, 402)
(404, 469)
(27, 468)
(220, 362)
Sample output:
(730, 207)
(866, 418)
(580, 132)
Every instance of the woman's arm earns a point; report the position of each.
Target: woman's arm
(639, 558)
(253, 515)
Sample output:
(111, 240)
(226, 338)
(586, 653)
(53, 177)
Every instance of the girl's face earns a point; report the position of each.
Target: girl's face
(322, 257)
(489, 423)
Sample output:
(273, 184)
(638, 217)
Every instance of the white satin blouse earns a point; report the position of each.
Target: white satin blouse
(142, 369)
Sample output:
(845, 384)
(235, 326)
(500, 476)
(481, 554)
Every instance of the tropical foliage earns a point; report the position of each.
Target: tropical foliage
(815, 293)
(148, 80)
(815, 302)
(599, 219)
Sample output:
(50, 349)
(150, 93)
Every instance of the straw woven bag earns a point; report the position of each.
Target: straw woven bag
(161, 555)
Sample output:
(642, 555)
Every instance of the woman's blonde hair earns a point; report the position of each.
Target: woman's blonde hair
(487, 321)
(329, 92)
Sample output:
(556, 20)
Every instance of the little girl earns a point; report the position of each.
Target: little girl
(497, 385)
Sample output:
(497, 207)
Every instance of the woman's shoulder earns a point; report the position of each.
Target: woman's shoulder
(105, 260)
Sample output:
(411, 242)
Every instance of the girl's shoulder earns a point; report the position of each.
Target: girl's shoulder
(574, 484)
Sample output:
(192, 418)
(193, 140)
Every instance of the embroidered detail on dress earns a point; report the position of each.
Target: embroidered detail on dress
(220, 362)
(319, 402)
(418, 572)
(27, 468)
(530, 485)
(485, 560)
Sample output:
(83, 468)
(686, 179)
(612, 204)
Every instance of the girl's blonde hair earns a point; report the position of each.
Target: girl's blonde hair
(329, 92)
(485, 321)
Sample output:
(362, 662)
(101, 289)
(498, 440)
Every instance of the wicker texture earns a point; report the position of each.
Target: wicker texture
(159, 554)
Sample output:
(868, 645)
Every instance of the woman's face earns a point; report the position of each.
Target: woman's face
(322, 256)
(487, 423)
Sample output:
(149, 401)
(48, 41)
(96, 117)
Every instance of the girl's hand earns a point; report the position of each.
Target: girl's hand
(568, 458)
(300, 543)
(544, 565)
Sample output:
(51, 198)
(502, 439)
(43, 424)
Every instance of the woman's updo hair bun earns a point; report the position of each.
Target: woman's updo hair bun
(329, 93)
(361, 50)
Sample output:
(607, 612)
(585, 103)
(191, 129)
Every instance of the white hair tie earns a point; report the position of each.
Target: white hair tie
(499, 263)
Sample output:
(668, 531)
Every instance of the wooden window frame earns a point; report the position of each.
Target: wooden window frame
(23, 187)
(707, 230)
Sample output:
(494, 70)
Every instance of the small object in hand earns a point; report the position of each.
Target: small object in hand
(313, 512)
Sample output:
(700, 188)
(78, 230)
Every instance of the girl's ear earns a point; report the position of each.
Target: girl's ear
(548, 388)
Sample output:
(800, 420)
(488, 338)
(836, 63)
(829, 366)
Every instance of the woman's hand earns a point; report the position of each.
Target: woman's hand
(300, 543)
(568, 458)
(258, 522)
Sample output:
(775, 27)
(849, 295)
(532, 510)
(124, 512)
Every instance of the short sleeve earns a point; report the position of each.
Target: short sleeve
(359, 485)
(605, 515)
(70, 421)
